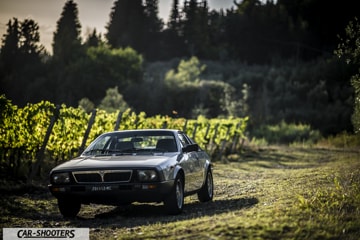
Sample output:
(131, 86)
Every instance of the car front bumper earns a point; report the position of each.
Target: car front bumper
(113, 194)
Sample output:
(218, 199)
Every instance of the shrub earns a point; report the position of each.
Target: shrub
(341, 140)
(284, 133)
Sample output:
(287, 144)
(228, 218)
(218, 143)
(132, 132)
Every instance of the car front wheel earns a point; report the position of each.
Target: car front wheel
(69, 208)
(207, 191)
(174, 203)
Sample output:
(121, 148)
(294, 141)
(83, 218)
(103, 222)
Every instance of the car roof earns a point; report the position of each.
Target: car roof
(148, 130)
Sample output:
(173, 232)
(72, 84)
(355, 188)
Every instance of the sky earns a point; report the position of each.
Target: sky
(92, 14)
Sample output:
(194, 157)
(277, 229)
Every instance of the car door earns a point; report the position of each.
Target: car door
(191, 165)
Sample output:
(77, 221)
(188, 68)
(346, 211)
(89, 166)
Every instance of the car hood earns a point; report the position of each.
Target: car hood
(124, 161)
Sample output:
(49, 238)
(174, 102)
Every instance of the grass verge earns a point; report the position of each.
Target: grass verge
(270, 193)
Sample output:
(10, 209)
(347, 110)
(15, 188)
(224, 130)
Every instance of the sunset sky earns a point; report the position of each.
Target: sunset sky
(92, 14)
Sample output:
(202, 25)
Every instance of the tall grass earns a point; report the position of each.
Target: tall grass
(287, 133)
(337, 204)
(341, 140)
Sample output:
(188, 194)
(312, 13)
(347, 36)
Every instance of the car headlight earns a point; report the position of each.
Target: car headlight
(147, 175)
(60, 178)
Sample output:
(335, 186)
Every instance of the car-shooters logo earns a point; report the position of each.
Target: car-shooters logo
(45, 233)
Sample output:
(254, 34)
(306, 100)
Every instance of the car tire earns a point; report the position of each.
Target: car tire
(69, 208)
(174, 203)
(206, 193)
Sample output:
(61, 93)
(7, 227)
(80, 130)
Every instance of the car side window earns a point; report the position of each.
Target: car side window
(103, 143)
(183, 140)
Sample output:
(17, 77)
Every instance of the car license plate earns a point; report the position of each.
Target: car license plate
(100, 188)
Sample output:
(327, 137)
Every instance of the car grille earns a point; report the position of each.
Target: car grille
(108, 176)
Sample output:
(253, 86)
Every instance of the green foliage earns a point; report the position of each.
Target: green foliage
(337, 203)
(355, 118)
(199, 110)
(10, 46)
(6, 109)
(86, 104)
(188, 72)
(285, 133)
(21, 43)
(120, 66)
(203, 97)
(232, 103)
(113, 101)
(273, 193)
(341, 140)
(23, 130)
(20, 60)
(274, 29)
(126, 25)
(30, 40)
(67, 133)
(349, 48)
(316, 93)
(105, 68)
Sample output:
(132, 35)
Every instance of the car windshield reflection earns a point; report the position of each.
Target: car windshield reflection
(132, 143)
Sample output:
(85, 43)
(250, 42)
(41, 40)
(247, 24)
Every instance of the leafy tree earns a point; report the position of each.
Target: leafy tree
(126, 25)
(86, 104)
(67, 41)
(218, 98)
(120, 67)
(91, 75)
(349, 48)
(188, 72)
(113, 101)
(185, 90)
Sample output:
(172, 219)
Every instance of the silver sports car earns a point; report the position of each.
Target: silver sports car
(121, 167)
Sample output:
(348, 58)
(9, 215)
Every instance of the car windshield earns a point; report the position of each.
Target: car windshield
(132, 143)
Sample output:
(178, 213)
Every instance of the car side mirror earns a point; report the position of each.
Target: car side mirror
(191, 148)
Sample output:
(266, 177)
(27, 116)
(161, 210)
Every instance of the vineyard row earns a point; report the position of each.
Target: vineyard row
(44, 134)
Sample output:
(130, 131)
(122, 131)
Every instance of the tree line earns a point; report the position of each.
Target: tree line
(262, 59)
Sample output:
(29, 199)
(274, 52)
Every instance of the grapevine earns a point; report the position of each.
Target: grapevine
(23, 130)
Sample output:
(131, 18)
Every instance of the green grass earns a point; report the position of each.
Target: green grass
(269, 193)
